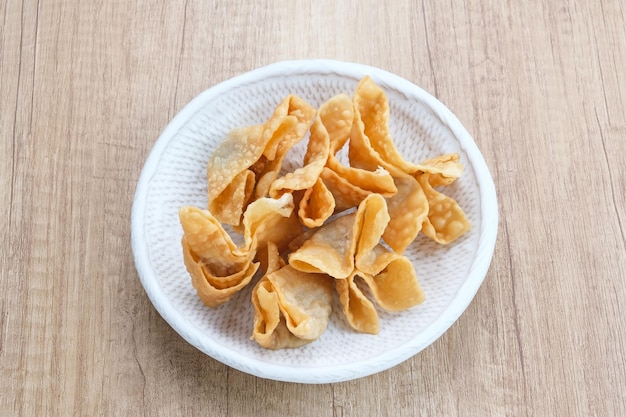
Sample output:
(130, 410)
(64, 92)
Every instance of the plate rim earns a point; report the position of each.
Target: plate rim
(353, 370)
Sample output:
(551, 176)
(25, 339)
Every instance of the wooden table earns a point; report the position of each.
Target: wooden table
(87, 86)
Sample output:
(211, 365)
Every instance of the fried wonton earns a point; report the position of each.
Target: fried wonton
(349, 184)
(371, 145)
(317, 203)
(446, 221)
(291, 308)
(291, 106)
(349, 247)
(244, 165)
(219, 268)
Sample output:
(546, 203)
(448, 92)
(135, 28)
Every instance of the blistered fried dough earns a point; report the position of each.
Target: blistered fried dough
(329, 131)
(291, 106)
(361, 151)
(267, 317)
(371, 220)
(215, 290)
(407, 211)
(333, 248)
(291, 308)
(338, 118)
(241, 148)
(443, 169)
(378, 181)
(408, 207)
(233, 199)
(373, 109)
(211, 243)
(317, 205)
(305, 300)
(270, 329)
(446, 221)
(218, 267)
(332, 124)
(229, 278)
(259, 149)
(269, 219)
(357, 308)
(398, 277)
(238, 152)
(315, 158)
(337, 115)
(371, 144)
(329, 250)
(348, 247)
(372, 106)
(345, 194)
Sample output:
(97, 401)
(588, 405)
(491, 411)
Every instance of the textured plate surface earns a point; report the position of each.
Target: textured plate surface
(175, 175)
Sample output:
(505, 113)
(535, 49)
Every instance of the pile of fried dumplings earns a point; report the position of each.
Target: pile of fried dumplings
(324, 227)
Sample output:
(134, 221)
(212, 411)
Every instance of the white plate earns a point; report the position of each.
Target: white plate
(174, 175)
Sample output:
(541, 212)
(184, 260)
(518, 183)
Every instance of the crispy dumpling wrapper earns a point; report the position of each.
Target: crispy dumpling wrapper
(338, 117)
(446, 221)
(316, 205)
(331, 124)
(304, 113)
(292, 106)
(359, 311)
(245, 164)
(345, 194)
(407, 210)
(329, 250)
(349, 185)
(239, 151)
(218, 267)
(315, 158)
(229, 205)
(210, 242)
(372, 109)
(291, 308)
(371, 145)
(371, 219)
(397, 277)
(269, 328)
(270, 219)
(215, 290)
(348, 247)
(362, 152)
(442, 169)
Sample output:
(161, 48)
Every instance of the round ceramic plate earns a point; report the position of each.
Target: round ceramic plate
(175, 175)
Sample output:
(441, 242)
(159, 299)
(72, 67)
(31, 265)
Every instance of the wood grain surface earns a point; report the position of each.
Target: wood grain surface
(87, 86)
